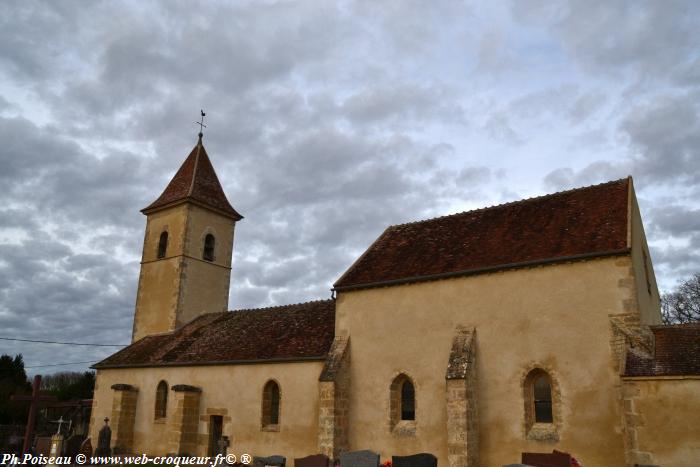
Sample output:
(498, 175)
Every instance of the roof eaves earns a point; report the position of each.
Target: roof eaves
(234, 215)
(315, 358)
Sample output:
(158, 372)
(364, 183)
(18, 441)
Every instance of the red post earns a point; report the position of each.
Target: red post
(35, 399)
(29, 432)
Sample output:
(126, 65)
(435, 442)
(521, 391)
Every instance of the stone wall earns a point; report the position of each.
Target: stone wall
(662, 422)
(184, 422)
(123, 417)
(461, 401)
(334, 407)
(628, 334)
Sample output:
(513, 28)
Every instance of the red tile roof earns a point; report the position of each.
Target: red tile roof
(292, 332)
(196, 181)
(676, 353)
(582, 222)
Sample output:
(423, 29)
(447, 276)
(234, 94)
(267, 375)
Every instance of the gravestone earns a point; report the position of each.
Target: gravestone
(555, 459)
(275, 461)
(72, 445)
(104, 440)
(222, 445)
(317, 460)
(363, 458)
(423, 459)
(86, 448)
(43, 446)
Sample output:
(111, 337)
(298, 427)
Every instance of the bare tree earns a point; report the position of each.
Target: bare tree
(683, 304)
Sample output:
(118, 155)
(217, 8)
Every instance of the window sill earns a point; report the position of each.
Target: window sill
(159, 421)
(273, 428)
(404, 428)
(543, 432)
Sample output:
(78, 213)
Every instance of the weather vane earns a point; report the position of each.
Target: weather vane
(201, 123)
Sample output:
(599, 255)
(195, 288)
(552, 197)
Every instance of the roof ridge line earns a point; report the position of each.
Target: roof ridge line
(196, 166)
(510, 203)
(320, 300)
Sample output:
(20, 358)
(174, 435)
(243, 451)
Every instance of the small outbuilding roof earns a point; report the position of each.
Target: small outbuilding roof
(589, 221)
(676, 353)
(296, 332)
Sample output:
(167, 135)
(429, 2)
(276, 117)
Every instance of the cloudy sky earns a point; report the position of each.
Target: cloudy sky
(326, 123)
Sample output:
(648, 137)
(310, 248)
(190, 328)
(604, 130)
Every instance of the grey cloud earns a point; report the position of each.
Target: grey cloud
(500, 128)
(647, 37)
(326, 123)
(675, 220)
(402, 103)
(666, 135)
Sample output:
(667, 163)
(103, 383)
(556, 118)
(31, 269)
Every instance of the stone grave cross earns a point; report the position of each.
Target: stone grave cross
(60, 422)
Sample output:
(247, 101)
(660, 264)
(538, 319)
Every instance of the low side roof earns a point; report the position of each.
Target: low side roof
(676, 353)
(292, 332)
(584, 221)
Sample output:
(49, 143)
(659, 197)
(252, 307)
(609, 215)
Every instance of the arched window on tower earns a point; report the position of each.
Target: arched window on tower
(161, 400)
(209, 242)
(271, 406)
(162, 245)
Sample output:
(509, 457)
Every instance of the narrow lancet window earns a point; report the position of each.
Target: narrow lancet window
(402, 403)
(161, 400)
(542, 400)
(408, 401)
(271, 405)
(209, 242)
(162, 245)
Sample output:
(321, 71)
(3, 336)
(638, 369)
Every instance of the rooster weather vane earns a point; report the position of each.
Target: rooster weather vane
(201, 123)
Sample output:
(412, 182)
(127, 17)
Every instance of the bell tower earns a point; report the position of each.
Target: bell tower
(186, 261)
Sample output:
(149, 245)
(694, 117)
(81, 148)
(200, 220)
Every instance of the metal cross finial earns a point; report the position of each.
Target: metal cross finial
(201, 123)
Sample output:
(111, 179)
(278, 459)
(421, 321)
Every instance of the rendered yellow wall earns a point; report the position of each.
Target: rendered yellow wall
(669, 425)
(157, 295)
(176, 289)
(232, 391)
(649, 303)
(553, 316)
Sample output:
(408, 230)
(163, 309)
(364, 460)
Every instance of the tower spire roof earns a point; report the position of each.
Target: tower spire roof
(195, 181)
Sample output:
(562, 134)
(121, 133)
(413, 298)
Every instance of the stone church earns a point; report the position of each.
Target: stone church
(524, 327)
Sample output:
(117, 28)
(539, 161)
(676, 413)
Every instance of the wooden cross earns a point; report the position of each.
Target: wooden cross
(36, 398)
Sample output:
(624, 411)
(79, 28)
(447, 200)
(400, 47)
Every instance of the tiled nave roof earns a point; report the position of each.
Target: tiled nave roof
(581, 222)
(302, 331)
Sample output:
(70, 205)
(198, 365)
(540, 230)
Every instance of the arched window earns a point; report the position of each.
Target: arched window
(538, 397)
(161, 400)
(209, 242)
(402, 403)
(542, 398)
(408, 401)
(271, 405)
(542, 405)
(162, 245)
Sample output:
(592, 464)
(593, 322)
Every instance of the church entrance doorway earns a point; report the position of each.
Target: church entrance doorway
(216, 425)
